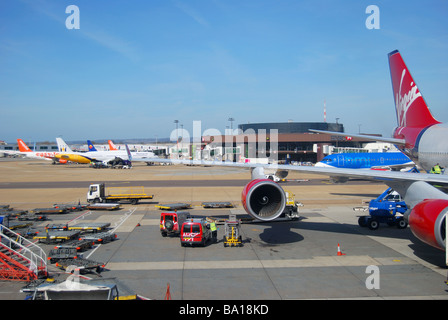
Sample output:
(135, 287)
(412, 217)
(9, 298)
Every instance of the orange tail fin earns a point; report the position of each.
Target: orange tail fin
(22, 146)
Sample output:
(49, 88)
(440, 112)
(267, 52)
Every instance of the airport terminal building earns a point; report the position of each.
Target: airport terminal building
(295, 142)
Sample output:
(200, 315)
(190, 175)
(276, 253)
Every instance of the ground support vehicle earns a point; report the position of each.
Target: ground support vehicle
(90, 226)
(50, 237)
(292, 207)
(195, 231)
(32, 217)
(174, 206)
(12, 213)
(387, 208)
(99, 237)
(171, 222)
(232, 236)
(78, 244)
(217, 205)
(14, 224)
(57, 226)
(70, 207)
(103, 206)
(99, 193)
(84, 265)
(49, 211)
(20, 259)
(62, 253)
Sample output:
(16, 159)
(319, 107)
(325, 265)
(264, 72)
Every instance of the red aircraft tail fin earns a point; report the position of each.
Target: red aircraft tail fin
(411, 108)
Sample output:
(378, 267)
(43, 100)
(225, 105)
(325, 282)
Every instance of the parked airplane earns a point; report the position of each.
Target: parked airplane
(26, 151)
(419, 135)
(141, 155)
(106, 157)
(367, 160)
(66, 153)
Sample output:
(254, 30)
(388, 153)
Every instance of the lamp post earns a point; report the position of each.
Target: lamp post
(177, 138)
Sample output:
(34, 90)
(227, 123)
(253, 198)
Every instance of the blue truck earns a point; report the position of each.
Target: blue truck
(388, 208)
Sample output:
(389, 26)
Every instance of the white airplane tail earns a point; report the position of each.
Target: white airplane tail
(62, 146)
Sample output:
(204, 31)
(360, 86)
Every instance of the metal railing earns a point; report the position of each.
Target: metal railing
(25, 249)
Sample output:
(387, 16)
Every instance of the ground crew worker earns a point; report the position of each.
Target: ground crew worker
(214, 231)
(437, 169)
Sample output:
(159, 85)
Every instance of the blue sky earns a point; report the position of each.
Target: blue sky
(135, 66)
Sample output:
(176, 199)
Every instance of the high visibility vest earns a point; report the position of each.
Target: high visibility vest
(212, 227)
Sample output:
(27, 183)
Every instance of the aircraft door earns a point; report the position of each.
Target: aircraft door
(340, 160)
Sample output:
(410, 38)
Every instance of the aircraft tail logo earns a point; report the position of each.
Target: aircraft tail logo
(62, 146)
(91, 146)
(411, 108)
(112, 146)
(129, 153)
(22, 146)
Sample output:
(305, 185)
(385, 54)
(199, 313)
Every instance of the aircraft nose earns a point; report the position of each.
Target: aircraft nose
(322, 165)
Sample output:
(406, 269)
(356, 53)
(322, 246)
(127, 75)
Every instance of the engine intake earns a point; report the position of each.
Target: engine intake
(427, 222)
(263, 199)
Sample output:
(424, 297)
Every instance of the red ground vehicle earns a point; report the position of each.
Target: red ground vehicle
(195, 231)
(171, 222)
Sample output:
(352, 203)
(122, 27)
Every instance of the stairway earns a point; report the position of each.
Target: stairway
(20, 259)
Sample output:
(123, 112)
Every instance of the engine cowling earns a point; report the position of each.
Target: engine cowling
(263, 199)
(427, 222)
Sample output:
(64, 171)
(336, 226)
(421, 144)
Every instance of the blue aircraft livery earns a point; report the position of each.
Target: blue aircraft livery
(370, 160)
(91, 146)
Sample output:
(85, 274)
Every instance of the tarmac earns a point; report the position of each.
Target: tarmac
(278, 261)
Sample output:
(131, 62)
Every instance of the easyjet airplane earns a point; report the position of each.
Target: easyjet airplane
(418, 134)
(26, 151)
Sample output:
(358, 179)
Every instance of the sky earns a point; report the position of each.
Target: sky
(134, 67)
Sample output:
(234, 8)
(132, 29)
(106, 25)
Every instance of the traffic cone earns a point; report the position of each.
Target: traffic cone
(168, 293)
(339, 251)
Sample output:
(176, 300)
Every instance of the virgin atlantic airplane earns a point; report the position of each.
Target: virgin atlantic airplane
(418, 134)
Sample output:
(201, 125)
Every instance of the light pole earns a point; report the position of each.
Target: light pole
(177, 138)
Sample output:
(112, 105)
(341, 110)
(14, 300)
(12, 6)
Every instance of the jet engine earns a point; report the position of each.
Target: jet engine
(427, 221)
(263, 199)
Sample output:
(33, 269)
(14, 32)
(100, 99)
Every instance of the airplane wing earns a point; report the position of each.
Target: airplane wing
(399, 181)
(395, 166)
(362, 136)
(330, 171)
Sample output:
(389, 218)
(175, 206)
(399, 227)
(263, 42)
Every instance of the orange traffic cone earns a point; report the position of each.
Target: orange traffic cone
(168, 293)
(339, 251)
